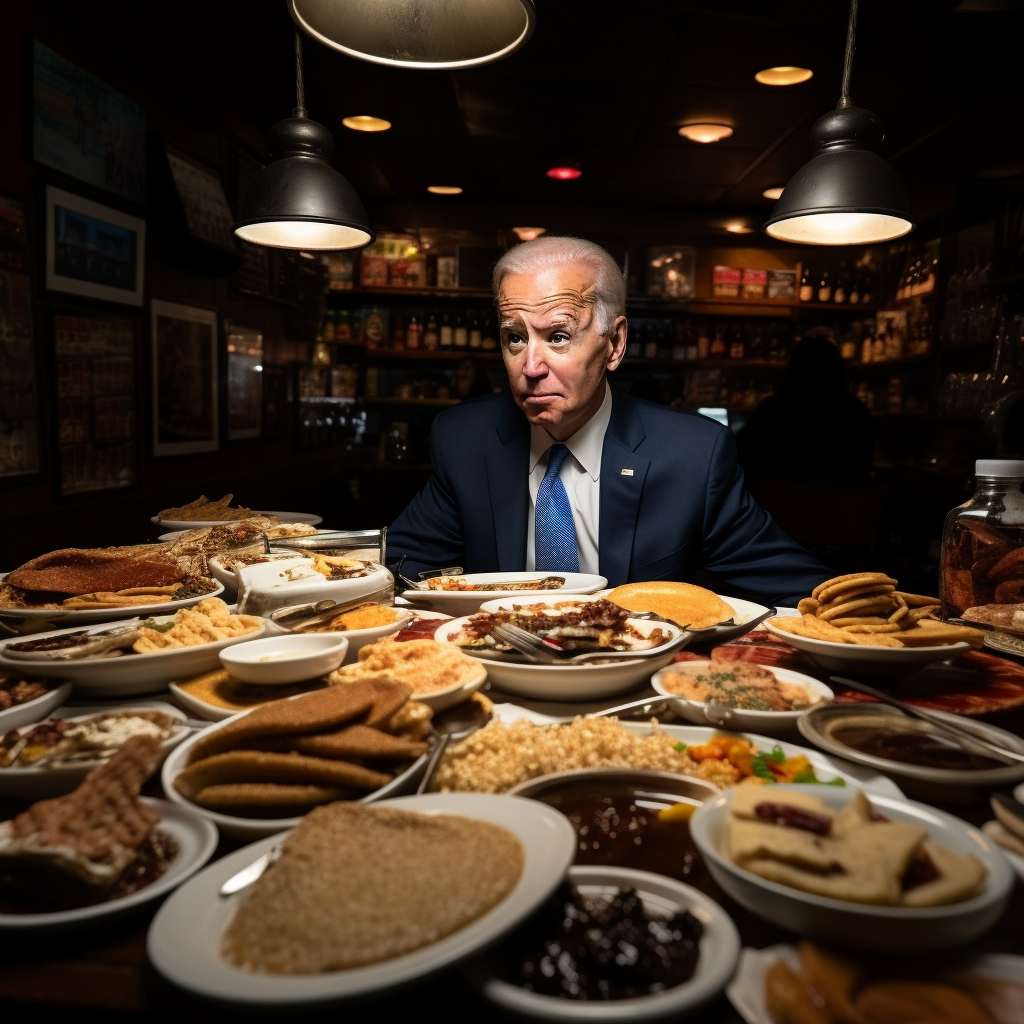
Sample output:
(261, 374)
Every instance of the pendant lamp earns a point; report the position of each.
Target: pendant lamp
(299, 201)
(429, 34)
(846, 194)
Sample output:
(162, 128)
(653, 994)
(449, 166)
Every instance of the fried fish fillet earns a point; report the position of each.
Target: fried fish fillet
(235, 795)
(87, 570)
(353, 741)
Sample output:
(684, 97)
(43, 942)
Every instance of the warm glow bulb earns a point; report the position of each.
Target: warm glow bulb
(303, 234)
(366, 123)
(445, 190)
(840, 228)
(704, 132)
(775, 192)
(738, 229)
(784, 75)
(564, 173)
(528, 234)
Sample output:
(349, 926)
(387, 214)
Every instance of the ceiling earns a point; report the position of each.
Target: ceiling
(606, 84)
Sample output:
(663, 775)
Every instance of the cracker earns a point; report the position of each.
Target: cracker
(807, 606)
(888, 627)
(916, 614)
(813, 628)
(877, 639)
(917, 600)
(233, 796)
(858, 620)
(869, 604)
(827, 590)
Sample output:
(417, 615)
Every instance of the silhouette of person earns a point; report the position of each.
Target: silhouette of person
(813, 430)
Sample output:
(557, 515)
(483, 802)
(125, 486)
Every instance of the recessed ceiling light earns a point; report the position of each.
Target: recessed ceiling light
(705, 132)
(445, 190)
(564, 173)
(738, 229)
(784, 75)
(528, 234)
(366, 123)
(775, 192)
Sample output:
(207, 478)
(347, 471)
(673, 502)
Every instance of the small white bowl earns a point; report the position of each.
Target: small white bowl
(770, 723)
(285, 659)
(861, 925)
(454, 694)
(357, 638)
(34, 710)
(719, 952)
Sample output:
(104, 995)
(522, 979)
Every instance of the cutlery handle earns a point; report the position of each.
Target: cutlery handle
(433, 761)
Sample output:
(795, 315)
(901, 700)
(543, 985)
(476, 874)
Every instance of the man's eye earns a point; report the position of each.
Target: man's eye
(559, 337)
(511, 338)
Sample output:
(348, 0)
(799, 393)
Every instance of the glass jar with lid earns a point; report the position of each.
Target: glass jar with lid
(983, 549)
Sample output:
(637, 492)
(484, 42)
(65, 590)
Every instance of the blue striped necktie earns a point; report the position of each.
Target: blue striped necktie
(555, 531)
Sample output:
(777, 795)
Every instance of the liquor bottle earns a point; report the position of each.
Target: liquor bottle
(373, 329)
(717, 344)
(842, 285)
(414, 333)
(806, 285)
(691, 344)
(703, 343)
(343, 328)
(867, 349)
(461, 333)
(490, 339)
(737, 346)
(398, 333)
(476, 338)
(431, 335)
(867, 289)
(447, 335)
(824, 287)
(848, 348)
(853, 297)
(327, 331)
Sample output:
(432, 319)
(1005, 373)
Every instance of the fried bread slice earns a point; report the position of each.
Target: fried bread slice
(358, 742)
(235, 795)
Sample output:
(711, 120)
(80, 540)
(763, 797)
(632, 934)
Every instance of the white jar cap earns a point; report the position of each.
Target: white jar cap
(999, 467)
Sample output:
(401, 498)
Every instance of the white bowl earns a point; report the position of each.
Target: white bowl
(34, 710)
(771, 723)
(257, 828)
(574, 682)
(130, 674)
(463, 602)
(267, 586)
(285, 659)
(357, 638)
(454, 694)
(719, 952)
(860, 925)
(228, 577)
(865, 659)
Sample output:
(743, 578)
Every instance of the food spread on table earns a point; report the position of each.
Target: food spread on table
(15, 690)
(456, 584)
(682, 603)
(737, 684)
(337, 567)
(203, 510)
(363, 616)
(425, 666)
(221, 690)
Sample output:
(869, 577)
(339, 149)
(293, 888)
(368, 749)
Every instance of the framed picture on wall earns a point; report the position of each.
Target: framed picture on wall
(245, 381)
(184, 357)
(85, 129)
(203, 201)
(93, 250)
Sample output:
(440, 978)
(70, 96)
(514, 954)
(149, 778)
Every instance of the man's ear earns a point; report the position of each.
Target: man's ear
(617, 339)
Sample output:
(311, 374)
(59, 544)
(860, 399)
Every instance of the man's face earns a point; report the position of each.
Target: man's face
(555, 355)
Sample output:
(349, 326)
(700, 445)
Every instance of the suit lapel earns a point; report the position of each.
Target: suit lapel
(508, 486)
(620, 491)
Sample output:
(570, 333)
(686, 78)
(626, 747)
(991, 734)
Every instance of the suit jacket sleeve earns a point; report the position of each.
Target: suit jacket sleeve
(428, 534)
(743, 546)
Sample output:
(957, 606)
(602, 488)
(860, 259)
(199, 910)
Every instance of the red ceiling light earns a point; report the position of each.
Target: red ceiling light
(564, 173)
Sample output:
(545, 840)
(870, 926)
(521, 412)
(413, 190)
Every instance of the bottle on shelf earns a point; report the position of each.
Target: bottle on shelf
(342, 327)
(848, 347)
(461, 334)
(867, 287)
(806, 292)
(691, 344)
(447, 334)
(737, 346)
(414, 334)
(373, 329)
(476, 338)
(824, 286)
(327, 331)
(867, 348)
(703, 342)
(397, 333)
(431, 334)
(854, 294)
(841, 293)
(490, 339)
(718, 344)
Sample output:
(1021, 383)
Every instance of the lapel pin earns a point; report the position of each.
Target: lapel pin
(625, 472)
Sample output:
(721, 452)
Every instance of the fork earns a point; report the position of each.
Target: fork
(547, 653)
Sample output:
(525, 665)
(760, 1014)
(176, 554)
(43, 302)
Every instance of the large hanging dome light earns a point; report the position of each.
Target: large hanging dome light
(443, 34)
(847, 194)
(299, 201)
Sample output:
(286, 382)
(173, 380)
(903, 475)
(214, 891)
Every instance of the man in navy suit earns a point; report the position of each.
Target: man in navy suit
(571, 472)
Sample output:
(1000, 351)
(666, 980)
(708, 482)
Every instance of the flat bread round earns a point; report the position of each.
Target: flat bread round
(683, 603)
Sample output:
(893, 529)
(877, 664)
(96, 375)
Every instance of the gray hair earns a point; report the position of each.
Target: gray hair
(561, 251)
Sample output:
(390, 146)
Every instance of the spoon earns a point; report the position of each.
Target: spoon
(455, 723)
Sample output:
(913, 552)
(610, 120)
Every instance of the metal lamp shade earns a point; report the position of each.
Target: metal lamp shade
(418, 33)
(299, 201)
(846, 194)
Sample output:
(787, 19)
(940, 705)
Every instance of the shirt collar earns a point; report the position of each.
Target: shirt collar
(586, 445)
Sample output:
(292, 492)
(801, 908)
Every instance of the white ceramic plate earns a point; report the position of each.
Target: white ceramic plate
(85, 616)
(825, 767)
(993, 829)
(865, 660)
(37, 783)
(575, 682)
(719, 951)
(859, 925)
(746, 990)
(454, 602)
(184, 939)
(774, 723)
(285, 517)
(196, 838)
(129, 674)
(257, 828)
(33, 710)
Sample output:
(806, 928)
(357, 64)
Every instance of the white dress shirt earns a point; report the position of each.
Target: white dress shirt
(580, 475)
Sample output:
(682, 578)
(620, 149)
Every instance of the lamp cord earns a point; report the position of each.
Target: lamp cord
(845, 99)
(300, 86)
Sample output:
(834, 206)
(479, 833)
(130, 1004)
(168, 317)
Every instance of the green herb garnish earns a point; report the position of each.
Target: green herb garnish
(777, 755)
(680, 746)
(760, 768)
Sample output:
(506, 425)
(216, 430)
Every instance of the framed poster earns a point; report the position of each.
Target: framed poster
(184, 378)
(86, 130)
(95, 383)
(245, 382)
(92, 249)
(202, 198)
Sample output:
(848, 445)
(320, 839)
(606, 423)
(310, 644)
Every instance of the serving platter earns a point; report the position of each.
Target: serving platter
(195, 524)
(128, 675)
(456, 602)
(993, 829)
(33, 710)
(32, 617)
(196, 839)
(184, 939)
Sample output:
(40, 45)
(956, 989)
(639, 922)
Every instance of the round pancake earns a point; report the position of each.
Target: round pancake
(683, 603)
